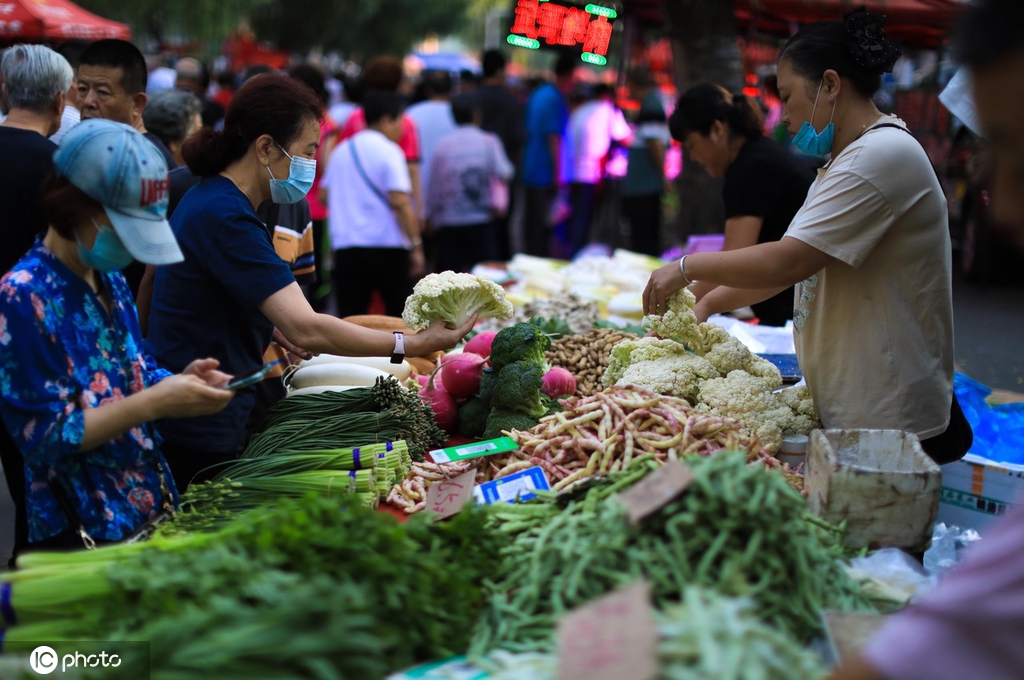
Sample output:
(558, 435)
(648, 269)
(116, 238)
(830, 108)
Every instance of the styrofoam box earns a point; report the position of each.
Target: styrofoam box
(880, 482)
(977, 491)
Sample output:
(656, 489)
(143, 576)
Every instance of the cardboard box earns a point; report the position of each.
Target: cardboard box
(977, 491)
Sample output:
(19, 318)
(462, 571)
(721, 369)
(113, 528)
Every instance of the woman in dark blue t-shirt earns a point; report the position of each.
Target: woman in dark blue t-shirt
(233, 289)
(764, 184)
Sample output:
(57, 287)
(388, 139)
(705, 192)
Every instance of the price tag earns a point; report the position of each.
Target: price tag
(445, 498)
(656, 490)
(611, 638)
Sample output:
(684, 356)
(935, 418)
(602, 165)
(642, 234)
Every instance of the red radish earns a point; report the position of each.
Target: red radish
(558, 382)
(422, 379)
(446, 411)
(461, 376)
(481, 343)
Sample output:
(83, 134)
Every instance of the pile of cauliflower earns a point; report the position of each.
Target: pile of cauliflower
(714, 371)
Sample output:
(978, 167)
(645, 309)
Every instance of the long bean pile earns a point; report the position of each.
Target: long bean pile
(738, 530)
(602, 433)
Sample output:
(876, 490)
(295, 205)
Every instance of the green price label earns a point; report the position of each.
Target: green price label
(595, 59)
(598, 10)
(521, 41)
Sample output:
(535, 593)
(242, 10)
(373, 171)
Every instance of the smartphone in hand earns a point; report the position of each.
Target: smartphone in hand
(252, 378)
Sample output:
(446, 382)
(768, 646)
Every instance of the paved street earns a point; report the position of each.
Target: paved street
(989, 334)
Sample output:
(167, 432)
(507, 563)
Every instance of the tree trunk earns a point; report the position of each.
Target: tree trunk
(705, 51)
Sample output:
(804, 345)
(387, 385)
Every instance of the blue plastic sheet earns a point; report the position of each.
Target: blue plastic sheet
(998, 430)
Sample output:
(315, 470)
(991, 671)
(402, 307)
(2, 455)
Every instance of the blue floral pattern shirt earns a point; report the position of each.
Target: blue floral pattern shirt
(62, 353)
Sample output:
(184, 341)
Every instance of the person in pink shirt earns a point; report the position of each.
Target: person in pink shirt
(972, 625)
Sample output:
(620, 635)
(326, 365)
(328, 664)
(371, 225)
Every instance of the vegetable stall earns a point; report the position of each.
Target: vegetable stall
(606, 453)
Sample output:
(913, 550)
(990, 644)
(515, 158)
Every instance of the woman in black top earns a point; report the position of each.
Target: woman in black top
(764, 185)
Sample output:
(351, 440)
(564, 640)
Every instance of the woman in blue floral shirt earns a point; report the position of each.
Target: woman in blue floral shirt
(77, 394)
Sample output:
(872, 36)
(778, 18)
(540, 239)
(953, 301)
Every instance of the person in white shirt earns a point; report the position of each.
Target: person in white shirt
(465, 164)
(374, 231)
(593, 127)
(70, 50)
(869, 250)
(433, 119)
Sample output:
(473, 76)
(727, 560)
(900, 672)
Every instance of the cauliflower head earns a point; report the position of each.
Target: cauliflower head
(805, 414)
(750, 401)
(455, 298)
(678, 321)
(728, 354)
(658, 364)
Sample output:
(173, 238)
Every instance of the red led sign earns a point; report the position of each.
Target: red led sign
(557, 25)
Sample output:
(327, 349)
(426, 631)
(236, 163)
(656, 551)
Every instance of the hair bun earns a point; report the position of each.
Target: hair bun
(868, 44)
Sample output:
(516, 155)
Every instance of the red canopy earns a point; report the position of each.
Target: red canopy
(54, 20)
(916, 22)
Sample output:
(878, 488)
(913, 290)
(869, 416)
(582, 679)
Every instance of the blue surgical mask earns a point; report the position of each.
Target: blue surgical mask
(818, 144)
(107, 253)
(301, 174)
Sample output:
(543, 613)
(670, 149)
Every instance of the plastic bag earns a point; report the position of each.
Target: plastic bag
(998, 430)
(891, 574)
(948, 546)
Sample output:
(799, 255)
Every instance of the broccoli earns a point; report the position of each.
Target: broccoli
(454, 298)
(500, 420)
(522, 342)
(518, 389)
(487, 380)
(473, 417)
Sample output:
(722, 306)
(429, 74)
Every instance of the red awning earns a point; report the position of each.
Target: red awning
(924, 23)
(54, 21)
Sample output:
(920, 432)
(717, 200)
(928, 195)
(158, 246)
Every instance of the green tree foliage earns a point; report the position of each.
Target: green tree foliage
(366, 27)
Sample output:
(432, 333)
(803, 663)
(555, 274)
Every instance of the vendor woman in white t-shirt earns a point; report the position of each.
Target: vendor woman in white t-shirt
(869, 251)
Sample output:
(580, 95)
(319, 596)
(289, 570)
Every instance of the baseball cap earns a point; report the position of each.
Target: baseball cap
(118, 167)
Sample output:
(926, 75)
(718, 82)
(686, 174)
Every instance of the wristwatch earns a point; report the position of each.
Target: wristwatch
(398, 356)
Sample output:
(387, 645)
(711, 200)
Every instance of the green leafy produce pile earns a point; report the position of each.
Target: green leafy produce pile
(739, 530)
(344, 593)
(706, 636)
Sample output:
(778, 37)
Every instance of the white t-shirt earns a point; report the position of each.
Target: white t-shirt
(69, 119)
(874, 329)
(464, 164)
(434, 121)
(592, 128)
(359, 208)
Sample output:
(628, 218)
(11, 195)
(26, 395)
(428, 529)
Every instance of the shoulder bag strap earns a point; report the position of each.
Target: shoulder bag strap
(362, 173)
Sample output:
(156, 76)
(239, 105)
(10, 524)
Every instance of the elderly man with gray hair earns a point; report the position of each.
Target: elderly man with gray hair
(173, 115)
(36, 81)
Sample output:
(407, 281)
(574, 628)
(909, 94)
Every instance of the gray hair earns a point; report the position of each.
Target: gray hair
(34, 76)
(169, 113)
